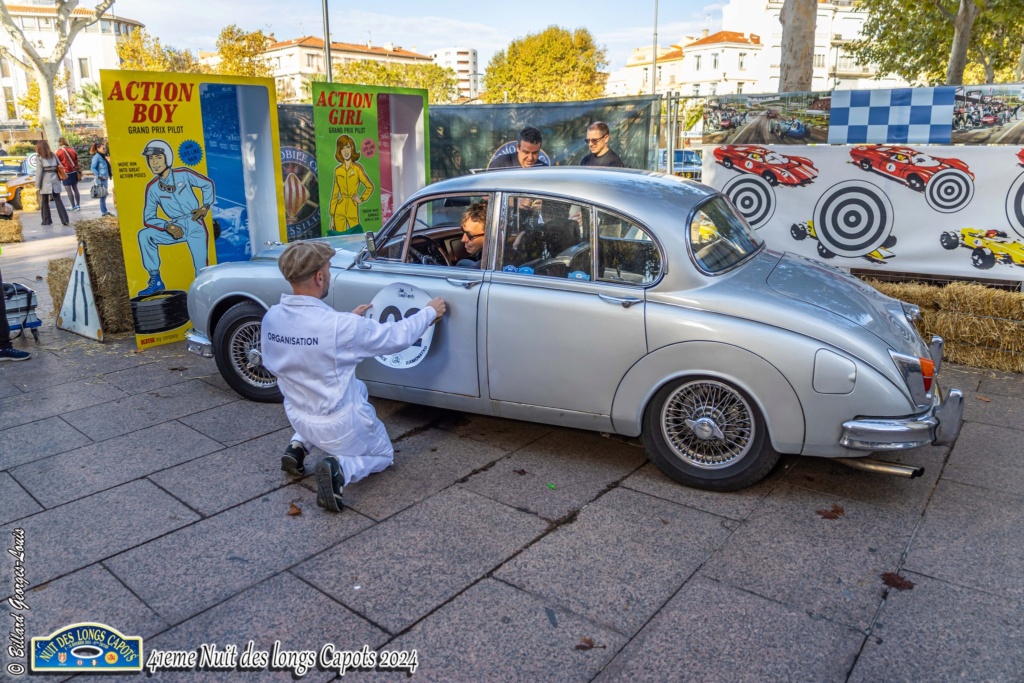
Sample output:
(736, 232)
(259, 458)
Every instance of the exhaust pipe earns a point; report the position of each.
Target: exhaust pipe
(881, 466)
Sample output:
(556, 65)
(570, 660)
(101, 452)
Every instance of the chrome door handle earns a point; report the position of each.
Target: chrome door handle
(626, 301)
(468, 284)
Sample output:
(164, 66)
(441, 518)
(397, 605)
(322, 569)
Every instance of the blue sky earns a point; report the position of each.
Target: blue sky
(619, 25)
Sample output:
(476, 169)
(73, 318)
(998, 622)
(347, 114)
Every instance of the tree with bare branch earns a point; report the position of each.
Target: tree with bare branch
(44, 69)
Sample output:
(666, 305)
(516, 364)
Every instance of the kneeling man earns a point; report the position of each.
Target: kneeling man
(313, 350)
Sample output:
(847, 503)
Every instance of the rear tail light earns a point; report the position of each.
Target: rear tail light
(918, 374)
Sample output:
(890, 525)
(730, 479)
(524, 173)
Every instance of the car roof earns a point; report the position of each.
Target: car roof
(648, 196)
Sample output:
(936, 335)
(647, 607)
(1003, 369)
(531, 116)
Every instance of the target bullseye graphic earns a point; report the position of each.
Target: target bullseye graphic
(753, 196)
(949, 190)
(1015, 205)
(853, 218)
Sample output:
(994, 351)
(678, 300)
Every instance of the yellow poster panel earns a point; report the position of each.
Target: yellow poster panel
(186, 194)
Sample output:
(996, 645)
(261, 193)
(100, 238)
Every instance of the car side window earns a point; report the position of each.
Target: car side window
(625, 251)
(547, 237)
(719, 237)
(391, 240)
(434, 229)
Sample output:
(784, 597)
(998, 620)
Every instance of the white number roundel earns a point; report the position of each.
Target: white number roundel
(396, 302)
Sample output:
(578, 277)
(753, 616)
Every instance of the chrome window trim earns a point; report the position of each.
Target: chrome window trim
(689, 242)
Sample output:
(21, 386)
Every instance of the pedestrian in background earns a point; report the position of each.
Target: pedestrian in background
(100, 167)
(68, 158)
(48, 184)
(598, 137)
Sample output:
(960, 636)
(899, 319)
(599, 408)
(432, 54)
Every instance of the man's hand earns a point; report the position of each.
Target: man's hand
(200, 213)
(175, 231)
(437, 303)
(362, 309)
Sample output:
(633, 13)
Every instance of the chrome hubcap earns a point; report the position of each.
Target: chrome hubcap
(707, 424)
(246, 358)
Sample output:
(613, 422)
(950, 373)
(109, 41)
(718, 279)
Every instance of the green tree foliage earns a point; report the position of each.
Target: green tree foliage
(139, 51)
(914, 39)
(441, 84)
(241, 53)
(555, 65)
(28, 103)
(89, 100)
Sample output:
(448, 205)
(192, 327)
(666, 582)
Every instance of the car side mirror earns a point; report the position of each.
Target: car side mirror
(371, 247)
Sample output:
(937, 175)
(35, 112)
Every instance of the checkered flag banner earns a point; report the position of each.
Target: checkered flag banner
(902, 115)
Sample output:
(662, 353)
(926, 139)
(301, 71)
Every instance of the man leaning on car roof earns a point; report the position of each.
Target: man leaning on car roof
(527, 152)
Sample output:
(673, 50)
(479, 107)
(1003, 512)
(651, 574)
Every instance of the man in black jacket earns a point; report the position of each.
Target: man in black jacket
(600, 154)
(527, 152)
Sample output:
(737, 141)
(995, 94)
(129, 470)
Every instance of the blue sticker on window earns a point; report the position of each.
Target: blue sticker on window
(526, 270)
(578, 275)
(509, 269)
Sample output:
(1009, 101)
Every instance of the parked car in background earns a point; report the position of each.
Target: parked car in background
(16, 173)
(686, 163)
(619, 301)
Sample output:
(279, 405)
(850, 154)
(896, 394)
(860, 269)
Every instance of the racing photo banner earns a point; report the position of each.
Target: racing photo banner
(372, 153)
(932, 210)
(194, 159)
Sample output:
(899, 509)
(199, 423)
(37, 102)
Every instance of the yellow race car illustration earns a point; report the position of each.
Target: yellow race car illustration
(988, 247)
(801, 231)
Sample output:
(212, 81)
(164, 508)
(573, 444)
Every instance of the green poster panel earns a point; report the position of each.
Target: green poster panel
(372, 153)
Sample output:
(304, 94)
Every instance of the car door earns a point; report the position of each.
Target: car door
(562, 329)
(414, 249)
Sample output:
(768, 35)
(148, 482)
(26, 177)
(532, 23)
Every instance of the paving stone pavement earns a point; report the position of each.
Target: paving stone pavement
(151, 500)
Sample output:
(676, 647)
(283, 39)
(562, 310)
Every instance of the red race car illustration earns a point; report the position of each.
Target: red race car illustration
(772, 166)
(1020, 157)
(905, 164)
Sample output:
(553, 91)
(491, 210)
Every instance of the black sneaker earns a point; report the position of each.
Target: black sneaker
(291, 461)
(329, 484)
(14, 354)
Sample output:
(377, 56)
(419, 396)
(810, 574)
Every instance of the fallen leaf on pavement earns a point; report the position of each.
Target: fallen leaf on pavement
(896, 581)
(587, 644)
(836, 512)
(982, 398)
(294, 509)
(177, 369)
(520, 472)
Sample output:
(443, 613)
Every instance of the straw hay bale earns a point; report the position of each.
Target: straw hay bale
(979, 357)
(996, 333)
(29, 198)
(105, 258)
(58, 275)
(10, 230)
(968, 297)
(918, 293)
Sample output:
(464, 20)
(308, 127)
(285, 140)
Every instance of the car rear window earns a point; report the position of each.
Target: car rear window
(719, 237)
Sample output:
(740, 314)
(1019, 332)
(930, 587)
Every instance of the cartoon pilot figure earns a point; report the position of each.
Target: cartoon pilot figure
(172, 191)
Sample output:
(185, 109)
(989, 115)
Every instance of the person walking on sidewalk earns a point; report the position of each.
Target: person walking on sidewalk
(68, 158)
(7, 350)
(313, 350)
(48, 184)
(100, 167)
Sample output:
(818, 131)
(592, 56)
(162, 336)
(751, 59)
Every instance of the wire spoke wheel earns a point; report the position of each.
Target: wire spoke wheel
(707, 424)
(246, 358)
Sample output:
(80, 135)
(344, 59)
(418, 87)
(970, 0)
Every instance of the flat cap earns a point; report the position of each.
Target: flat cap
(303, 258)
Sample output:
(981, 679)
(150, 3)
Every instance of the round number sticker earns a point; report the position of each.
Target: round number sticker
(396, 302)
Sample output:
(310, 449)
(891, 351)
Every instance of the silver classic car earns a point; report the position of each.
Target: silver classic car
(620, 301)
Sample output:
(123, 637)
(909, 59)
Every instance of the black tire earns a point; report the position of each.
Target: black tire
(727, 162)
(889, 242)
(725, 446)
(236, 348)
(16, 202)
(798, 232)
(949, 240)
(160, 312)
(824, 252)
(864, 164)
(915, 183)
(983, 258)
(770, 177)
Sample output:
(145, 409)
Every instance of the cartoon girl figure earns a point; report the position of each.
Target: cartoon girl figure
(345, 195)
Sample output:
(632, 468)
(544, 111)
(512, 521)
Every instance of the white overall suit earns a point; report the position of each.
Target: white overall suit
(314, 350)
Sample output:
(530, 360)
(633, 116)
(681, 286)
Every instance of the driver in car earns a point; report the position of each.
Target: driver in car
(474, 221)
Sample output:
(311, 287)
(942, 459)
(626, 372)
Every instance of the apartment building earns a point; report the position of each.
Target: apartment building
(461, 60)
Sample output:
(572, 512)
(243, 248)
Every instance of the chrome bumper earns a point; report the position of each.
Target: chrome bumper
(939, 426)
(198, 344)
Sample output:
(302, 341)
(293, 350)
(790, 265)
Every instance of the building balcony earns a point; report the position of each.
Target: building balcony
(850, 71)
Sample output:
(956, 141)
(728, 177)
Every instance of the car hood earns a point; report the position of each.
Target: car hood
(347, 246)
(839, 293)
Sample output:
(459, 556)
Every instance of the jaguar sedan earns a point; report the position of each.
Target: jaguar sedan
(618, 301)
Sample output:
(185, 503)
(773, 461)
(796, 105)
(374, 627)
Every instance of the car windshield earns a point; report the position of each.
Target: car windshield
(9, 169)
(719, 237)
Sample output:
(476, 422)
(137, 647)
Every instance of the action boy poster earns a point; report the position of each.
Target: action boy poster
(181, 176)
